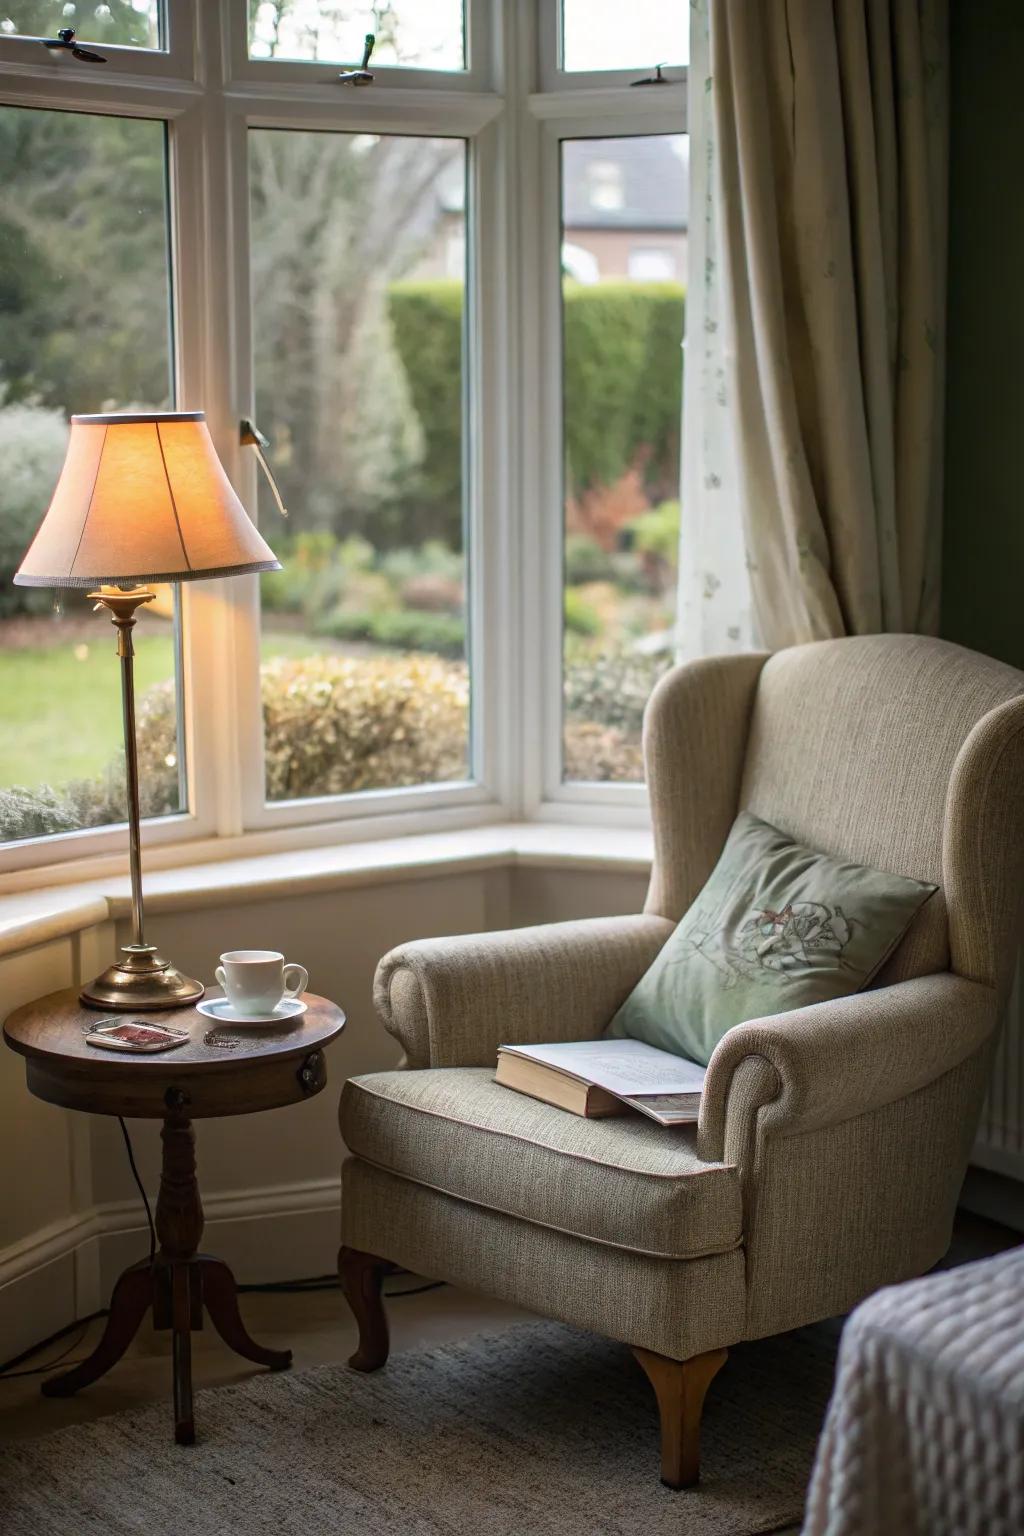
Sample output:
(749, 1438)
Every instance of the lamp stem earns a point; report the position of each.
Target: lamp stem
(126, 650)
(142, 978)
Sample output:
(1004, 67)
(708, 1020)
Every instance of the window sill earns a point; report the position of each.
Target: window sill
(34, 917)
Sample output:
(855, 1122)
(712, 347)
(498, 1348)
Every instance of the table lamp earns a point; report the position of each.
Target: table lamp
(141, 498)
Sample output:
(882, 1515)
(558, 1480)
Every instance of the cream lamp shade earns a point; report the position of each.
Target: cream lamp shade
(142, 498)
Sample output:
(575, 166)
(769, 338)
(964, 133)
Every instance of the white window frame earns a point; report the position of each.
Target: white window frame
(573, 115)
(478, 75)
(174, 61)
(512, 130)
(554, 77)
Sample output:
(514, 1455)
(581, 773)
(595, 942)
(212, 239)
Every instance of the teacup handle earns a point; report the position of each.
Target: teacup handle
(300, 985)
(221, 979)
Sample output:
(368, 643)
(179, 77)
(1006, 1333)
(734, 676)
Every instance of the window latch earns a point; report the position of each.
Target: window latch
(65, 42)
(656, 79)
(250, 436)
(363, 75)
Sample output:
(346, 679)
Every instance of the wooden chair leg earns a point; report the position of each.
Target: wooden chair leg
(679, 1386)
(362, 1275)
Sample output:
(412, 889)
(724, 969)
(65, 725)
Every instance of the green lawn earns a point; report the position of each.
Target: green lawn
(60, 704)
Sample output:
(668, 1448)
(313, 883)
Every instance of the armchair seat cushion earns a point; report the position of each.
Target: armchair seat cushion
(621, 1181)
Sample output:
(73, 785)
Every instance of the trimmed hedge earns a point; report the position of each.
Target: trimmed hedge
(336, 724)
(623, 382)
(622, 372)
(426, 326)
(407, 629)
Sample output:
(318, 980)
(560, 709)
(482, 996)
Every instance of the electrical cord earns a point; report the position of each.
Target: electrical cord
(327, 1283)
(267, 1288)
(78, 1328)
(140, 1186)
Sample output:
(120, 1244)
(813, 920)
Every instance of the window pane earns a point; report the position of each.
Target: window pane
(358, 257)
(84, 309)
(129, 23)
(413, 34)
(624, 222)
(605, 34)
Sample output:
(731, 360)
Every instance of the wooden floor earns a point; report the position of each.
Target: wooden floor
(318, 1328)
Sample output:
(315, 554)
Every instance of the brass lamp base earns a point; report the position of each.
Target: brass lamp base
(143, 980)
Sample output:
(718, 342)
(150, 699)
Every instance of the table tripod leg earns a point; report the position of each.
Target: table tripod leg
(220, 1294)
(181, 1305)
(133, 1295)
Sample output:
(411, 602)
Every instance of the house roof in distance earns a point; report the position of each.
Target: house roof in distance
(627, 183)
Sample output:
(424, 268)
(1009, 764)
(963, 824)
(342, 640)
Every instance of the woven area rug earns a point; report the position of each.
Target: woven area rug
(534, 1431)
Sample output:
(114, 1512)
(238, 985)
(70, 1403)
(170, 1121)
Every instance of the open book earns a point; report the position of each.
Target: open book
(606, 1077)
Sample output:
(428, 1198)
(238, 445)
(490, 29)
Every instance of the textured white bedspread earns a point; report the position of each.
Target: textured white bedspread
(925, 1432)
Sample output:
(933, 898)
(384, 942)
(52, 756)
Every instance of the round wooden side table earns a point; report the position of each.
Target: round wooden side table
(221, 1071)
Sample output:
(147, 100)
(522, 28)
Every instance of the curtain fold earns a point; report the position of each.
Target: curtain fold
(814, 380)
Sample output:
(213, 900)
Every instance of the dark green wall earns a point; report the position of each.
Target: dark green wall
(983, 553)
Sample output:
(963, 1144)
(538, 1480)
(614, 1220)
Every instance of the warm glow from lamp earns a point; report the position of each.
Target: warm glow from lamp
(142, 498)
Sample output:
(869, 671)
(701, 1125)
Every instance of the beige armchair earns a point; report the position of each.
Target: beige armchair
(832, 1140)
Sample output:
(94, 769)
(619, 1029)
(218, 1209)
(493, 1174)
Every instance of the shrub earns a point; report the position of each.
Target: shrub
(336, 724)
(581, 617)
(426, 326)
(32, 443)
(656, 532)
(432, 594)
(603, 511)
(586, 560)
(623, 385)
(622, 380)
(303, 560)
(612, 687)
(322, 577)
(601, 753)
(654, 536)
(402, 629)
(431, 558)
(44, 811)
(101, 802)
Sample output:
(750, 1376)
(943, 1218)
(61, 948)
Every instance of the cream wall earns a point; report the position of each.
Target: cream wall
(70, 1217)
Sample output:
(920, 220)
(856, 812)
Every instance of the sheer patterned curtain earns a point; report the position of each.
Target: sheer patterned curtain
(714, 605)
(814, 379)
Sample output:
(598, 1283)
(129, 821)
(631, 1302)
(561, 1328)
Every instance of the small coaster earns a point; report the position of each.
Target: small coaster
(134, 1036)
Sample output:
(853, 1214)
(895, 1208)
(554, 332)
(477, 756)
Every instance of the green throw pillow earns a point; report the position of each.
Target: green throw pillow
(777, 926)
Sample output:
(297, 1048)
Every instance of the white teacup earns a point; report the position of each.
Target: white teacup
(256, 980)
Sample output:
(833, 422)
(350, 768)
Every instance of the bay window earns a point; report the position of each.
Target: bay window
(66, 345)
(357, 249)
(124, 23)
(451, 302)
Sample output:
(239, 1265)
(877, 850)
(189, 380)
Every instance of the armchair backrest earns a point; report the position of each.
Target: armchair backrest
(899, 751)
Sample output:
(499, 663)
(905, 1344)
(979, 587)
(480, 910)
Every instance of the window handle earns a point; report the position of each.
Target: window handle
(250, 436)
(656, 79)
(363, 75)
(65, 42)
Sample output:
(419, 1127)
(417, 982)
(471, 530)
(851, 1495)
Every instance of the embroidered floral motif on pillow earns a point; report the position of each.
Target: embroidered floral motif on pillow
(777, 926)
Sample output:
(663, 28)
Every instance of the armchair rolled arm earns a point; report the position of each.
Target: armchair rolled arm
(823, 1064)
(451, 1002)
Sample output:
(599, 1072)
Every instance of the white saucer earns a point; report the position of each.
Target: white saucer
(220, 1009)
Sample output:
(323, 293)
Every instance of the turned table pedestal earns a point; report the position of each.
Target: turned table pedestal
(223, 1070)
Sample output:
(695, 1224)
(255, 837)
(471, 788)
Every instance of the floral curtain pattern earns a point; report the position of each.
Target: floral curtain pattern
(815, 345)
(714, 612)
